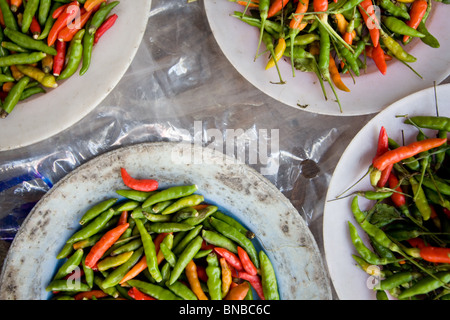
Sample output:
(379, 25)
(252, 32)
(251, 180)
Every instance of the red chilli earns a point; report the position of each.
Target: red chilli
(255, 282)
(246, 262)
(123, 218)
(382, 147)
(435, 254)
(231, 258)
(404, 152)
(145, 185)
(35, 28)
(138, 295)
(68, 15)
(60, 58)
(106, 25)
(397, 197)
(69, 31)
(378, 58)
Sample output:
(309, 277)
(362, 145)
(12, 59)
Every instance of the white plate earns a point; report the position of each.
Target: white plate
(349, 281)
(372, 91)
(44, 116)
(237, 189)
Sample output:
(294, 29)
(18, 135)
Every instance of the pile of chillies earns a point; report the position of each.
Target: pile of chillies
(46, 41)
(336, 38)
(158, 244)
(409, 226)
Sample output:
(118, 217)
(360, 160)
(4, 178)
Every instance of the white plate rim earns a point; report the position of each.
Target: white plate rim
(23, 127)
(354, 103)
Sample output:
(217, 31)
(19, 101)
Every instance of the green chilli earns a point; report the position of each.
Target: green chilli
(187, 255)
(29, 12)
(44, 10)
(150, 251)
(430, 122)
(268, 278)
(397, 280)
(382, 295)
(100, 281)
(8, 16)
(214, 281)
(11, 46)
(202, 253)
(126, 206)
(188, 201)
(234, 234)
(135, 194)
(184, 214)
(13, 96)
(396, 11)
(71, 264)
(169, 194)
(28, 42)
(21, 58)
(65, 285)
(202, 215)
(168, 254)
(100, 16)
(187, 239)
(420, 199)
(233, 222)
(93, 227)
(75, 56)
(89, 242)
(49, 22)
(400, 27)
(88, 272)
(130, 246)
(160, 206)
(115, 276)
(219, 240)
(29, 92)
(114, 261)
(154, 290)
(426, 285)
(364, 251)
(66, 250)
(166, 227)
(155, 217)
(181, 290)
(96, 210)
(396, 49)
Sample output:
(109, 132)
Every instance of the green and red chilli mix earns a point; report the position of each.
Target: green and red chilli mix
(161, 244)
(336, 38)
(45, 41)
(408, 227)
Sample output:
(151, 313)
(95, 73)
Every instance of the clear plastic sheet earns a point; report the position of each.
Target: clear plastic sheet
(179, 87)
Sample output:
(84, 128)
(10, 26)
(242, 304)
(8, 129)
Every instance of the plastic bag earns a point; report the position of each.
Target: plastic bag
(180, 86)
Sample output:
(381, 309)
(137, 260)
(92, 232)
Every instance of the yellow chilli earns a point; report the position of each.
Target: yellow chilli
(47, 80)
(279, 51)
(342, 24)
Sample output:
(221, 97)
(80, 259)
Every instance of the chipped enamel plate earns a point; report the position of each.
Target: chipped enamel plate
(236, 188)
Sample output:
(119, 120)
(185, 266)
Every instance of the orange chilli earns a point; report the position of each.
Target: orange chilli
(404, 152)
(104, 244)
